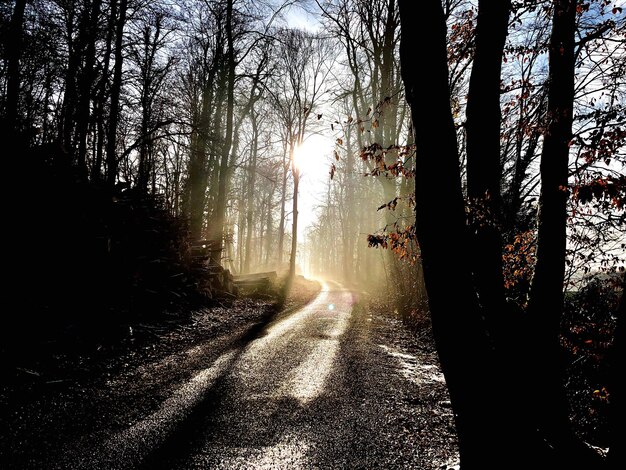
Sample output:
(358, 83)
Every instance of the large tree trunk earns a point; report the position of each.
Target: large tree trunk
(146, 158)
(483, 160)
(224, 173)
(198, 165)
(484, 173)
(460, 333)
(116, 89)
(546, 294)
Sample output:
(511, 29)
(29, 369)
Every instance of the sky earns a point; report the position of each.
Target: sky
(314, 160)
(314, 157)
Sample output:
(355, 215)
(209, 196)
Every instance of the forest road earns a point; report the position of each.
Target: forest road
(314, 389)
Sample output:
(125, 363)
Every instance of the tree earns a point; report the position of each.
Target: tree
(461, 338)
(14, 52)
(116, 89)
(305, 63)
(546, 294)
(484, 170)
(465, 341)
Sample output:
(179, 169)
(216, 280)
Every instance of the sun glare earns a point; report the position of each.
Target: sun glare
(311, 157)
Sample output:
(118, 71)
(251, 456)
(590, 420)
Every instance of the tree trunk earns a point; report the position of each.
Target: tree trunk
(462, 342)
(198, 165)
(68, 111)
(146, 161)
(14, 54)
(294, 217)
(483, 160)
(545, 306)
(86, 84)
(96, 170)
(348, 239)
(241, 228)
(250, 194)
(116, 89)
(224, 173)
(617, 452)
(484, 172)
(283, 202)
(268, 224)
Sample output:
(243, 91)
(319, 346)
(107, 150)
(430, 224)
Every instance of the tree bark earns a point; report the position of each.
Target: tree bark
(269, 239)
(349, 212)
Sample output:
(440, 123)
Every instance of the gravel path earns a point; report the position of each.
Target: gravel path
(335, 384)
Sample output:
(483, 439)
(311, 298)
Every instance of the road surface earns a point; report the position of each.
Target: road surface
(318, 388)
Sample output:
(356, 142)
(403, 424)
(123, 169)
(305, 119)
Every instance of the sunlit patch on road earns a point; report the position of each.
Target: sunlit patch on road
(309, 379)
(130, 443)
(412, 369)
(290, 452)
(288, 324)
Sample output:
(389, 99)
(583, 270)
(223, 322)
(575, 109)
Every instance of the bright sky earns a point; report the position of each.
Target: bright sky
(313, 159)
(297, 17)
(314, 156)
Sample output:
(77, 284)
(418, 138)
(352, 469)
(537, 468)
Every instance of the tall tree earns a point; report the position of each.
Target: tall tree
(546, 294)
(306, 61)
(86, 81)
(545, 412)
(116, 90)
(14, 53)
(484, 169)
(224, 170)
(461, 338)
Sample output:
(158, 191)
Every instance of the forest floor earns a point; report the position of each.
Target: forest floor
(338, 382)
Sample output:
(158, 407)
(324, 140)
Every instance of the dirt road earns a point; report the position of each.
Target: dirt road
(327, 386)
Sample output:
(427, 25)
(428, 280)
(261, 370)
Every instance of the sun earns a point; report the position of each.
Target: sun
(311, 157)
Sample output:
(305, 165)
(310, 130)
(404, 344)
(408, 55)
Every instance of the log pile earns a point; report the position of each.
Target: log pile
(256, 282)
(216, 280)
